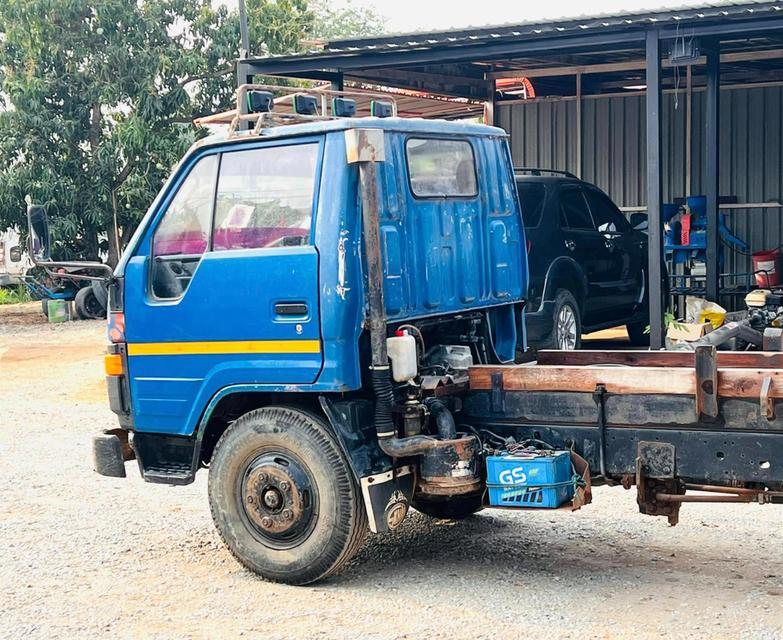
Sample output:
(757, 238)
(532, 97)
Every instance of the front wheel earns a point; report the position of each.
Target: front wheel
(566, 332)
(283, 497)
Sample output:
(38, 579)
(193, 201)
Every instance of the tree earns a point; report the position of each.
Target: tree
(344, 22)
(98, 98)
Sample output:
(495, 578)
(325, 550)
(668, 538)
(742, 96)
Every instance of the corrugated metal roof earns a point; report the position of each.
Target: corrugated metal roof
(558, 27)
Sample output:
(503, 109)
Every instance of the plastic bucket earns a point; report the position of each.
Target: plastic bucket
(58, 310)
(766, 264)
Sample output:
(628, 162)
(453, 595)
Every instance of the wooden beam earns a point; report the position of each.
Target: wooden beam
(732, 383)
(673, 359)
(620, 380)
(706, 382)
(631, 65)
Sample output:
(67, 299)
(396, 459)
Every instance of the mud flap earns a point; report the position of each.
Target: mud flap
(107, 456)
(387, 496)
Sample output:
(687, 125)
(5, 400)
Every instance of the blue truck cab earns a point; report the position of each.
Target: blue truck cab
(264, 319)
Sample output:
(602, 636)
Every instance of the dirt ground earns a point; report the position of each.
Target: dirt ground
(83, 556)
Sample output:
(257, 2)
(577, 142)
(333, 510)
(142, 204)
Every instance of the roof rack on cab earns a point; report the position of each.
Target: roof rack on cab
(267, 105)
(535, 171)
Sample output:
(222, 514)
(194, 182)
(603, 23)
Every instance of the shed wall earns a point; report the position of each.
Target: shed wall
(544, 134)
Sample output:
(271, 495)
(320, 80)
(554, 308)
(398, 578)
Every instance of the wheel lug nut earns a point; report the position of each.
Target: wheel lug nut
(262, 477)
(250, 499)
(284, 485)
(288, 514)
(266, 522)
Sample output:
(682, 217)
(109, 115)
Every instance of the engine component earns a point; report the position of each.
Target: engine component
(412, 412)
(444, 421)
(451, 468)
(451, 356)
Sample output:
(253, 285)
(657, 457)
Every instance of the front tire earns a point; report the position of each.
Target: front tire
(283, 497)
(566, 332)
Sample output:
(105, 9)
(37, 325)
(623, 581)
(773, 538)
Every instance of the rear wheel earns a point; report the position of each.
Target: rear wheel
(637, 334)
(454, 508)
(283, 497)
(88, 307)
(566, 332)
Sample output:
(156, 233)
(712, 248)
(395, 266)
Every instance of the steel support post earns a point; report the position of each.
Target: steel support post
(711, 166)
(654, 188)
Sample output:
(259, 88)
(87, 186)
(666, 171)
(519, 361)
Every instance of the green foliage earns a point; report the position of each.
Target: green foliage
(344, 22)
(669, 320)
(97, 99)
(14, 295)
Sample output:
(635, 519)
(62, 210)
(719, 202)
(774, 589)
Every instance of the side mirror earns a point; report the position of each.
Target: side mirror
(40, 241)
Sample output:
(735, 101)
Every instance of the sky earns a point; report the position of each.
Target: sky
(418, 15)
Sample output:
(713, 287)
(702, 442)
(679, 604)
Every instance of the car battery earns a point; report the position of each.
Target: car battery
(543, 479)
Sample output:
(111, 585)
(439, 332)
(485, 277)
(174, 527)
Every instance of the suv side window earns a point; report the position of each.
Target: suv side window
(265, 197)
(182, 235)
(608, 218)
(532, 196)
(574, 213)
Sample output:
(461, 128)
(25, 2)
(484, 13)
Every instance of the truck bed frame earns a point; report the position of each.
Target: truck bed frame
(664, 421)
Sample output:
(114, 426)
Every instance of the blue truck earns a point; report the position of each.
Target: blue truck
(324, 311)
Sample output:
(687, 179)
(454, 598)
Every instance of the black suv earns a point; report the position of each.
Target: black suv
(587, 264)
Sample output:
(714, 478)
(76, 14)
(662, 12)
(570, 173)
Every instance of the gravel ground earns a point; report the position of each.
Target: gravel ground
(83, 556)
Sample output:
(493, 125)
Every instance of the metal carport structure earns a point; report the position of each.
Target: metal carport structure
(739, 43)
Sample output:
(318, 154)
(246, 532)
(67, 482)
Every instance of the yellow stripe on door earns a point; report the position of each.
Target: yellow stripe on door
(224, 347)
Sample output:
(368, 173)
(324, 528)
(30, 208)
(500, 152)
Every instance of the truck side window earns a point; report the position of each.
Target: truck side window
(608, 218)
(441, 168)
(182, 235)
(574, 213)
(265, 197)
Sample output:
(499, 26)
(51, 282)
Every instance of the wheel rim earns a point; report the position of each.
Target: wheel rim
(278, 500)
(92, 305)
(566, 328)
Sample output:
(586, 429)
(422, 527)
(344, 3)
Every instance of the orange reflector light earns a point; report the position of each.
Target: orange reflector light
(116, 327)
(112, 363)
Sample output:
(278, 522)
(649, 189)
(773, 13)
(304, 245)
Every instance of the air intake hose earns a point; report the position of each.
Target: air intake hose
(384, 399)
(447, 429)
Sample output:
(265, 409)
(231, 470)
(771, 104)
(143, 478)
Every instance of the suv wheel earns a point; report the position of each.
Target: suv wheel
(637, 334)
(566, 323)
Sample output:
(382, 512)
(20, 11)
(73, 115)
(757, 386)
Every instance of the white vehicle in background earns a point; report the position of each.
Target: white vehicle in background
(14, 260)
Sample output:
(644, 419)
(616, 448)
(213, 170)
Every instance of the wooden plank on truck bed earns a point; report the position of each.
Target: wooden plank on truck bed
(734, 383)
(726, 359)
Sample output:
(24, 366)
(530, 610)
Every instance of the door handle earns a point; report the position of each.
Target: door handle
(290, 309)
(570, 245)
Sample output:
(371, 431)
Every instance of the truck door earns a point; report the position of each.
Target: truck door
(625, 247)
(589, 249)
(224, 287)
